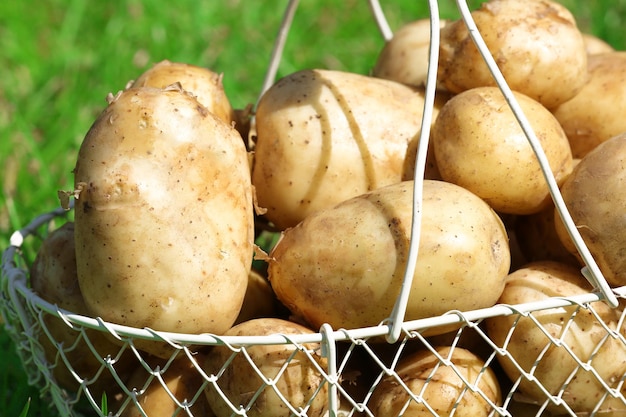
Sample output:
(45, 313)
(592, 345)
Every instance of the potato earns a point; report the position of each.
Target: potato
(538, 239)
(596, 45)
(595, 198)
(596, 113)
(536, 45)
(299, 382)
(577, 329)
(53, 277)
(438, 385)
(202, 82)
(479, 145)
(259, 301)
(164, 217)
(344, 265)
(325, 136)
(181, 379)
(404, 58)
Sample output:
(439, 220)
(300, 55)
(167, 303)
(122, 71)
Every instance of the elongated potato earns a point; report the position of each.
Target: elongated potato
(205, 84)
(164, 218)
(53, 277)
(345, 265)
(536, 45)
(293, 372)
(326, 136)
(594, 195)
(573, 331)
(439, 385)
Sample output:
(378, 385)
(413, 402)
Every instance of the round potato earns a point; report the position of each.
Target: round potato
(538, 239)
(205, 84)
(595, 198)
(579, 333)
(326, 136)
(179, 380)
(259, 301)
(596, 113)
(596, 45)
(53, 277)
(344, 265)
(439, 385)
(405, 57)
(536, 45)
(479, 145)
(164, 217)
(299, 382)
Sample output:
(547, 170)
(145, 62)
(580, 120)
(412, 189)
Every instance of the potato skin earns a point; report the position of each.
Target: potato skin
(596, 112)
(440, 388)
(164, 218)
(538, 281)
(479, 145)
(239, 381)
(344, 265)
(595, 198)
(536, 45)
(54, 278)
(182, 379)
(404, 58)
(326, 136)
(203, 83)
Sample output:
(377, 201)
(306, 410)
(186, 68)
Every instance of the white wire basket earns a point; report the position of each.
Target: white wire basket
(351, 366)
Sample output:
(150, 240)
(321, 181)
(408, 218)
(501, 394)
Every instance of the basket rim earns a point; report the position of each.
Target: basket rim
(14, 283)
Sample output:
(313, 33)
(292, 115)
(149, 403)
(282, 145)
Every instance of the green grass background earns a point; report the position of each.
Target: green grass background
(60, 58)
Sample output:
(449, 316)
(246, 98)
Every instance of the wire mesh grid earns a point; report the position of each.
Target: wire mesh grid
(464, 363)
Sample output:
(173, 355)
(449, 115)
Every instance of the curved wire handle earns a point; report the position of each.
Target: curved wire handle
(381, 20)
(591, 271)
(396, 319)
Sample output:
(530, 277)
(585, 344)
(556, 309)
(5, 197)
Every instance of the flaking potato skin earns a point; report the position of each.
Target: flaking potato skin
(202, 82)
(164, 218)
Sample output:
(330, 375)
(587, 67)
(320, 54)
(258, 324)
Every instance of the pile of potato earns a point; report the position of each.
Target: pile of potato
(176, 191)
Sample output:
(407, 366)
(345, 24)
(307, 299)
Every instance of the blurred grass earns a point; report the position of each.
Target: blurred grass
(60, 58)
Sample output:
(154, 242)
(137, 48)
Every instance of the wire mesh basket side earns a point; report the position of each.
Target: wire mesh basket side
(353, 369)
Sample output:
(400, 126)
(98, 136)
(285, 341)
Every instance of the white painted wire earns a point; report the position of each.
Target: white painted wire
(398, 313)
(592, 271)
(381, 20)
(22, 308)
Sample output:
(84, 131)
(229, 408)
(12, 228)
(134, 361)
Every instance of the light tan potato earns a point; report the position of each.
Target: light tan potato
(536, 45)
(404, 58)
(438, 385)
(578, 329)
(431, 171)
(479, 145)
(596, 45)
(181, 379)
(259, 301)
(202, 82)
(596, 113)
(344, 265)
(594, 196)
(299, 382)
(53, 277)
(538, 239)
(326, 136)
(164, 218)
